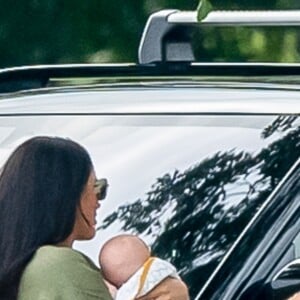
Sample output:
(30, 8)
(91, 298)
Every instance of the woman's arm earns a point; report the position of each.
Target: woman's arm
(168, 289)
(62, 273)
(295, 297)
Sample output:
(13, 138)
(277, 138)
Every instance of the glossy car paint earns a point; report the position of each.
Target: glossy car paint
(151, 131)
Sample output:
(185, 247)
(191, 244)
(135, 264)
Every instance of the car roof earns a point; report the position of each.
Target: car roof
(42, 76)
(156, 100)
(166, 79)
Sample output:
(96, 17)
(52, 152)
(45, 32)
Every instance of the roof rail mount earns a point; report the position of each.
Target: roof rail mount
(167, 38)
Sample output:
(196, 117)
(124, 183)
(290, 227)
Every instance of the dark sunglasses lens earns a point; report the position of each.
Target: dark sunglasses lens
(101, 186)
(102, 193)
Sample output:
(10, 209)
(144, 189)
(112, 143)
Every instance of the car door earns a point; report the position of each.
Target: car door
(270, 242)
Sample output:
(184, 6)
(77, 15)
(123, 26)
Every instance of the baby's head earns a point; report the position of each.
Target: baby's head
(121, 256)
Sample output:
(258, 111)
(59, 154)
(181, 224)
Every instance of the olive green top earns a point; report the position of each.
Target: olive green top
(61, 273)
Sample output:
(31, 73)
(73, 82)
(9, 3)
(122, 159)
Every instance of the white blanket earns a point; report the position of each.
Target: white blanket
(146, 278)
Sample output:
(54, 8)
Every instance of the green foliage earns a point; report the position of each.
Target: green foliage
(203, 9)
(35, 32)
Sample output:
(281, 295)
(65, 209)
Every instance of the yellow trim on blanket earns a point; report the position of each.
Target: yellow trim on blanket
(143, 277)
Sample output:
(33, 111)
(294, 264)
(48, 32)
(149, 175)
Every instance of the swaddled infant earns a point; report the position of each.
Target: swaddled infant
(127, 264)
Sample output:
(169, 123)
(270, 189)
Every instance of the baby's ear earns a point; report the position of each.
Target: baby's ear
(111, 288)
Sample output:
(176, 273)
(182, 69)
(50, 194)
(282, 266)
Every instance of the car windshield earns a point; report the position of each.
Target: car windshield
(188, 185)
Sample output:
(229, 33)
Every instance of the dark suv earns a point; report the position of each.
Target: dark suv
(202, 158)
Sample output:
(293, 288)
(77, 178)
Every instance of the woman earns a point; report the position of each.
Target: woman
(47, 201)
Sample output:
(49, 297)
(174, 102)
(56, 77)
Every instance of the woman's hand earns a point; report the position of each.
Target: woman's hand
(168, 289)
(295, 297)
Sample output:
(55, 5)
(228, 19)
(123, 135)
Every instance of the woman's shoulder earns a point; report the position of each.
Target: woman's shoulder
(51, 255)
(60, 269)
(55, 259)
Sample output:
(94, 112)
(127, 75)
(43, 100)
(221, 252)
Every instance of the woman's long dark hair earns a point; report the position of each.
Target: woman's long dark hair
(40, 188)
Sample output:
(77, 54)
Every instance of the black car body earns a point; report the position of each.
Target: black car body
(202, 159)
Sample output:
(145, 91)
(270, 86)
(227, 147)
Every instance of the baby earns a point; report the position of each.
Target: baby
(126, 263)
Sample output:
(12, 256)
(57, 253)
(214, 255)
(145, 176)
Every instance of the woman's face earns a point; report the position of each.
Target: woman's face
(86, 212)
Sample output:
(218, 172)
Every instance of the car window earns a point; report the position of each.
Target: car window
(296, 243)
(188, 185)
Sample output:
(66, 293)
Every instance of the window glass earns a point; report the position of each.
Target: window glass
(188, 185)
(296, 244)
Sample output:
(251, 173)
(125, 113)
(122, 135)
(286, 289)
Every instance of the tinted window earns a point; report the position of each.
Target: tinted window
(187, 185)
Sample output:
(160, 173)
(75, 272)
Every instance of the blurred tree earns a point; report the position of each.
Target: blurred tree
(35, 32)
(271, 44)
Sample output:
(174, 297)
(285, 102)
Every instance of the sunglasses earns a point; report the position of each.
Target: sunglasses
(100, 188)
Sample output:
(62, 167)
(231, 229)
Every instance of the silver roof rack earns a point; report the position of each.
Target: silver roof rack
(166, 36)
(239, 18)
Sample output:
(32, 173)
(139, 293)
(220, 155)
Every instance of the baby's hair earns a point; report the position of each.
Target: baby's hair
(121, 256)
